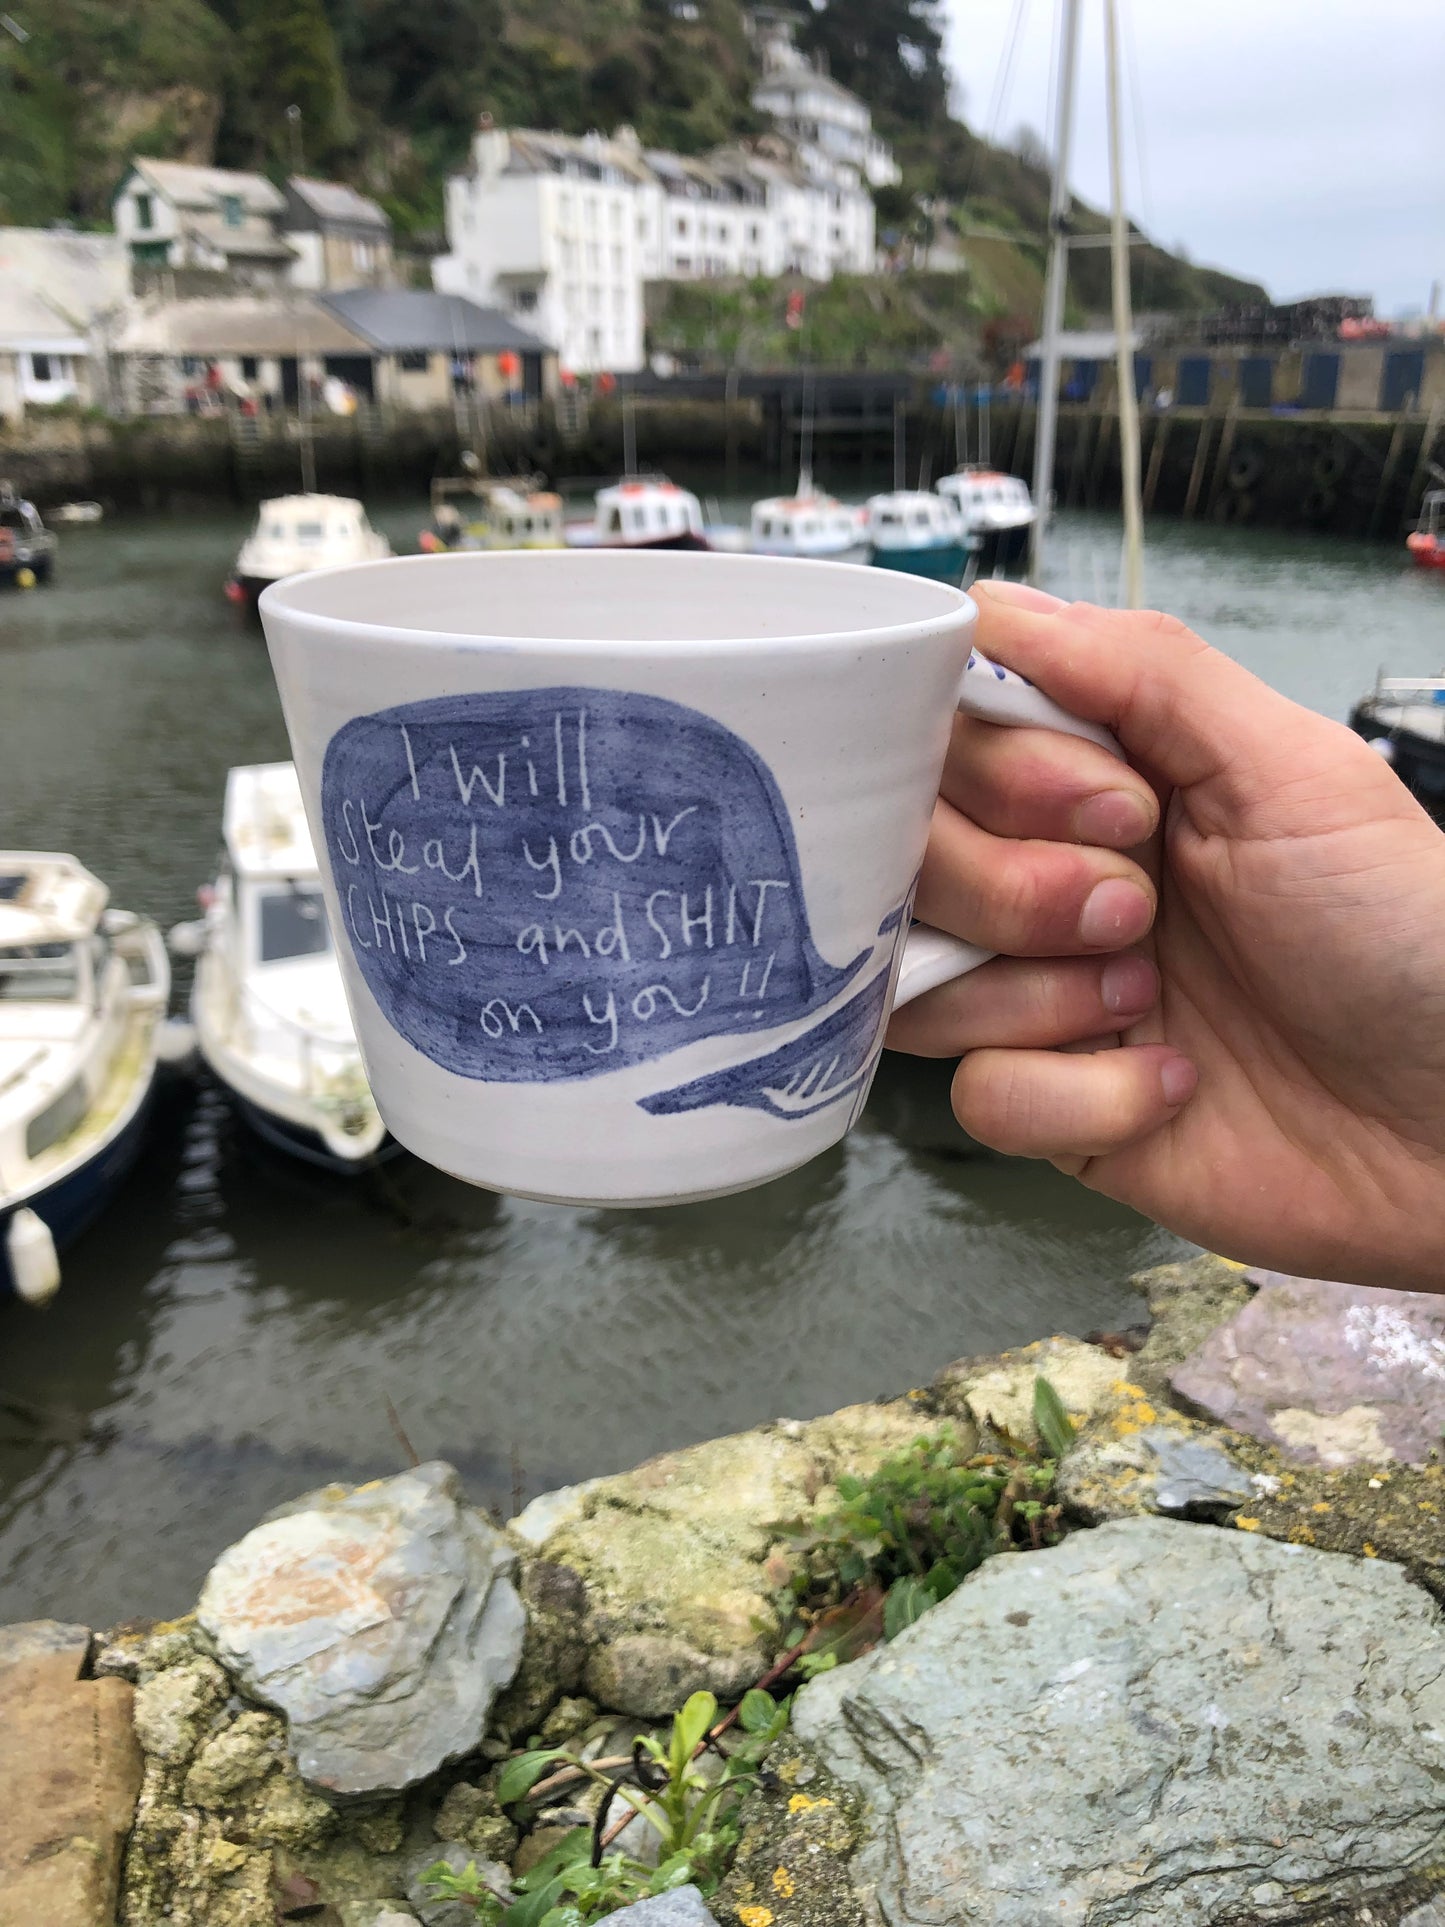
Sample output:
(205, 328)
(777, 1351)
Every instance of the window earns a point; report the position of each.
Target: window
(679, 225)
(250, 367)
(144, 211)
(40, 368)
(38, 973)
(363, 256)
(293, 924)
(413, 361)
(524, 301)
(231, 209)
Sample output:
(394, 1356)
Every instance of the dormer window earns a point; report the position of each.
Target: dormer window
(231, 210)
(144, 211)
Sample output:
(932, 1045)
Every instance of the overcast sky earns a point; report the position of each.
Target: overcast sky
(1298, 142)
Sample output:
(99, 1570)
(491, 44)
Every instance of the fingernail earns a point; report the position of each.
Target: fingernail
(1178, 1080)
(1115, 912)
(1113, 819)
(1020, 595)
(1128, 986)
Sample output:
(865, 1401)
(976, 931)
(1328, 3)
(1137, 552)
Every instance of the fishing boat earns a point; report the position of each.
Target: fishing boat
(269, 1011)
(297, 533)
(1403, 718)
(469, 512)
(641, 512)
(810, 524)
(72, 514)
(920, 533)
(27, 547)
(83, 991)
(998, 513)
(1426, 541)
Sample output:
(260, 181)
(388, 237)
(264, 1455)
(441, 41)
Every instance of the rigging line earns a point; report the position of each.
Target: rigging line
(1136, 109)
(986, 137)
(1006, 68)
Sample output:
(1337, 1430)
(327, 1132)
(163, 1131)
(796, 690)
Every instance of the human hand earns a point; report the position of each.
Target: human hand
(1270, 964)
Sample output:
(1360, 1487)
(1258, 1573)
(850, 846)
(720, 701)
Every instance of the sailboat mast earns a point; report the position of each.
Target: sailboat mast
(1054, 285)
(1123, 326)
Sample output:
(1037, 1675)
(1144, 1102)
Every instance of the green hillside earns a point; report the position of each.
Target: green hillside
(389, 92)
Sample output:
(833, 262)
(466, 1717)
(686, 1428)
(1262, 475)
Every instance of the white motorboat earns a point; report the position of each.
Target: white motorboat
(83, 991)
(268, 1007)
(469, 512)
(641, 512)
(919, 533)
(997, 509)
(811, 524)
(296, 533)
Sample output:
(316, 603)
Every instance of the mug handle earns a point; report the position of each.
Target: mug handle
(997, 695)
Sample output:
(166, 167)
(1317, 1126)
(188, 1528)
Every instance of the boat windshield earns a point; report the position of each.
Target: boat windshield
(39, 973)
(293, 923)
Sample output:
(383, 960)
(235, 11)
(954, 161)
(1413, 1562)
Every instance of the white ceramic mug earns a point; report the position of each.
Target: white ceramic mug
(619, 849)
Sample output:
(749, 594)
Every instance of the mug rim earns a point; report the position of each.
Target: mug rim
(277, 600)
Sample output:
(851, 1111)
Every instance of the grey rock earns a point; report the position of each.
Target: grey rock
(1330, 1374)
(1160, 1468)
(375, 1913)
(37, 1638)
(1431, 1914)
(652, 1674)
(381, 1620)
(550, 1511)
(434, 1912)
(683, 1907)
(1188, 1714)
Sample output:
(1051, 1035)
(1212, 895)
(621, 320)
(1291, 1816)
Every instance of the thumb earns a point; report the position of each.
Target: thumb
(1176, 705)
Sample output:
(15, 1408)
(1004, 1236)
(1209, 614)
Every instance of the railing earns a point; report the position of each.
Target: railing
(1410, 689)
(330, 1073)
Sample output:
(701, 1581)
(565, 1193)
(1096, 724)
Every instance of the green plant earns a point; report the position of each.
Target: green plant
(902, 1540)
(694, 1815)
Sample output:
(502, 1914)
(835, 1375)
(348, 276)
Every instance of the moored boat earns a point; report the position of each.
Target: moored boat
(997, 509)
(27, 547)
(297, 533)
(1403, 719)
(641, 512)
(1426, 541)
(470, 512)
(83, 991)
(811, 524)
(920, 533)
(268, 1007)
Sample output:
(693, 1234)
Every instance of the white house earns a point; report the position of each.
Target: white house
(565, 231)
(63, 299)
(170, 214)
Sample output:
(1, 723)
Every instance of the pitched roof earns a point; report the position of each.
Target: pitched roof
(29, 321)
(333, 201)
(191, 186)
(398, 320)
(78, 275)
(239, 325)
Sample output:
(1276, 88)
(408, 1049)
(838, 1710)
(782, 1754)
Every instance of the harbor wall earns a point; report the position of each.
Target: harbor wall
(1355, 474)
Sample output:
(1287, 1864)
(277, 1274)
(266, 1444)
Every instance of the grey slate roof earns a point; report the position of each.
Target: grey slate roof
(400, 320)
(334, 201)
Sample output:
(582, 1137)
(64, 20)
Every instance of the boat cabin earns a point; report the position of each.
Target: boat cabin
(471, 514)
(988, 499)
(72, 980)
(295, 533)
(645, 512)
(913, 519)
(806, 524)
(268, 890)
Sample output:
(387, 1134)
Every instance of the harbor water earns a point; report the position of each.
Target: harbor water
(238, 1328)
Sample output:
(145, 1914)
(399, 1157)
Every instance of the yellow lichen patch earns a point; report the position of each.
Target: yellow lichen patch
(1245, 1523)
(756, 1916)
(805, 1803)
(1302, 1536)
(1369, 1551)
(1121, 1388)
(789, 1771)
(783, 1883)
(1427, 1505)
(1321, 1505)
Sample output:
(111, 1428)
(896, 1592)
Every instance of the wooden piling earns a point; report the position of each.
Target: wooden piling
(1387, 474)
(1221, 461)
(1196, 473)
(1156, 459)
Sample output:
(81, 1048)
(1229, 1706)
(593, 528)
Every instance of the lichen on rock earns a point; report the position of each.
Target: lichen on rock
(799, 1830)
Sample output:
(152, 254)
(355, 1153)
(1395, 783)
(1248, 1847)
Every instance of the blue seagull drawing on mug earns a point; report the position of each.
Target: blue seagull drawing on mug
(547, 884)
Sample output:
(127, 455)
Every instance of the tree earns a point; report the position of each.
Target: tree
(888, 51)
(288, 57)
